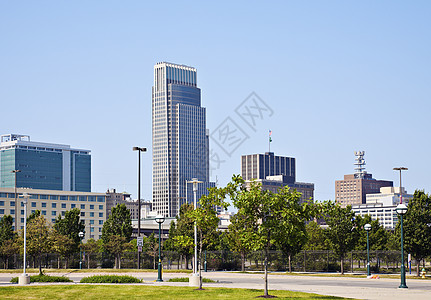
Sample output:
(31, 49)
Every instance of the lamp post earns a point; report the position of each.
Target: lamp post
(139, 149)
(24, 279)
(195, 280)
(400, 169)
(367, 228)
(16, 203)
(81, 236)
(160, 219)
(402, 210)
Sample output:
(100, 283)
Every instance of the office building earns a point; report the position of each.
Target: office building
(382, 205)
(113, 198)
(274, 172)
(53, 203)
(352, 190)
(180, 139)
(43, 165)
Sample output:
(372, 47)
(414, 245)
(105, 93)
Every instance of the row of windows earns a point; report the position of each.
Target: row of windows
(56, 197)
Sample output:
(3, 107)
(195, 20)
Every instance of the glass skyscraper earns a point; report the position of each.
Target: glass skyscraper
(43, 165)
(180, 138)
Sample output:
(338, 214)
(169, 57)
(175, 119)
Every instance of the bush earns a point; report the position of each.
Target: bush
(44, 278)
(186, 279)
(110, 279)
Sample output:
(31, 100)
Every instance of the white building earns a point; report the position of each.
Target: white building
(382, 206)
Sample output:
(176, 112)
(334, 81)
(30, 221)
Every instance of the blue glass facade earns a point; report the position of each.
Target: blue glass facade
(180, 140)
(44, 167)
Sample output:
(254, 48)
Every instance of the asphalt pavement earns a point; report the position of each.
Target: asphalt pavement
(358, 288)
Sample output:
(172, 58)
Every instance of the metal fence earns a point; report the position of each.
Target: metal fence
(304, 261)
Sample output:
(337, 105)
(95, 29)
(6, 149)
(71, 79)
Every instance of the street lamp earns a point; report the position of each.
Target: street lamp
(16, 203)
(195, 280)
(367, 228)
(160, 219)
(402, 210)
(81, 236)
(139, 149)
(400, 169)
(24, 278)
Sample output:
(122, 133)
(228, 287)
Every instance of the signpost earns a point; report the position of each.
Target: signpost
(140, 243)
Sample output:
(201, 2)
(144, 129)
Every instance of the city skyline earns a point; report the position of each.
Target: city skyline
(335, 83)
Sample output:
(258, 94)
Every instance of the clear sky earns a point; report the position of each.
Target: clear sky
(339, 76)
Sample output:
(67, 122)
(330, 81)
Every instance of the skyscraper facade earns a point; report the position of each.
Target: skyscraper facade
(43, 165)
(180, 138)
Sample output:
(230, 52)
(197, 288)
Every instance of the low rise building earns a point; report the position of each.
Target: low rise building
(53, 203)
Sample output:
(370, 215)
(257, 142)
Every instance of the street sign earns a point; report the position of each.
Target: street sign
(139, 248)
(140, 241)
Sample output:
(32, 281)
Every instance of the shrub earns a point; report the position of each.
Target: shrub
(44, 278)
(186, 279)
(110, 279)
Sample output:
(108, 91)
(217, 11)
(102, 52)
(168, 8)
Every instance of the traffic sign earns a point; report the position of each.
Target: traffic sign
(140, 241)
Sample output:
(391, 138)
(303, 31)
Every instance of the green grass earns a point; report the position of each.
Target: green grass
(110, 279)
(141, 292)
(186, 279)
(44, 278)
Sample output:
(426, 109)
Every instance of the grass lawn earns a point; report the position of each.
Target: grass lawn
(140, 291)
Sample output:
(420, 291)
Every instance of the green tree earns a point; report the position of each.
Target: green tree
(39, 239)
(271, 217)
(91, 247)
(342, 232)
(116, 245)
(181, 233)
(62, 245)
(33, 215)
(378, 236)
(7, 249)
(206, 220)
(118, 223)
(70, 226)
(6, 229)
(417, 227)
(152, 247)
(316, 237)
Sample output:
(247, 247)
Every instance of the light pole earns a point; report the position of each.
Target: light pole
(401, 210)
(160, 219)
(24, 279)
(401, 192)
(81, 236)
(139, 149)
(16, 203)
(195, 280)
(367, 228)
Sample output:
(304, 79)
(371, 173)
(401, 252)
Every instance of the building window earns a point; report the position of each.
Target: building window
(1, 203)
(82, 206)
(82, 214)
(12, 211)
(100, 222)
(53, 213)
(63, 205)
(82, 198)
(53, 220)
(100, 206)
(100, 215)
(43, 204)
(33, 204)
(91, 206)
(63, 198)
(92, 229)
(72, 205)
(22, 221)
(43, 212)
(2, 211)
(92, 214)
(63, 213)
(92, 222)
(12, 203)
(54, 205)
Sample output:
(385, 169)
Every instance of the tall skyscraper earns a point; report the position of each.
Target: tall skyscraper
(180, 138)
(43, 165)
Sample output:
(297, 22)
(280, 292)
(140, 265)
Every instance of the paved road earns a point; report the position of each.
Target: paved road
(359, 288)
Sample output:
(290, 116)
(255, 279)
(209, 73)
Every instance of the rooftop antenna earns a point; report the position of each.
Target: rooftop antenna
(360, 163)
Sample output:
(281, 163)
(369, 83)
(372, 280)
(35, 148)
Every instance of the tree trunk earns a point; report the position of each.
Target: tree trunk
(119, 260)
(342, 265)
(242, 261)
(266, 273)
(88, 261)
(58, 262)
(115, 263)
(418, 263)
(289, 257)
(40, 264)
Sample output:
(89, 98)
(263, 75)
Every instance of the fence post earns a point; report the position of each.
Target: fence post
(305, 257)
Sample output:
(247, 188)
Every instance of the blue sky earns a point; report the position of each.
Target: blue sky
(340, 76)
